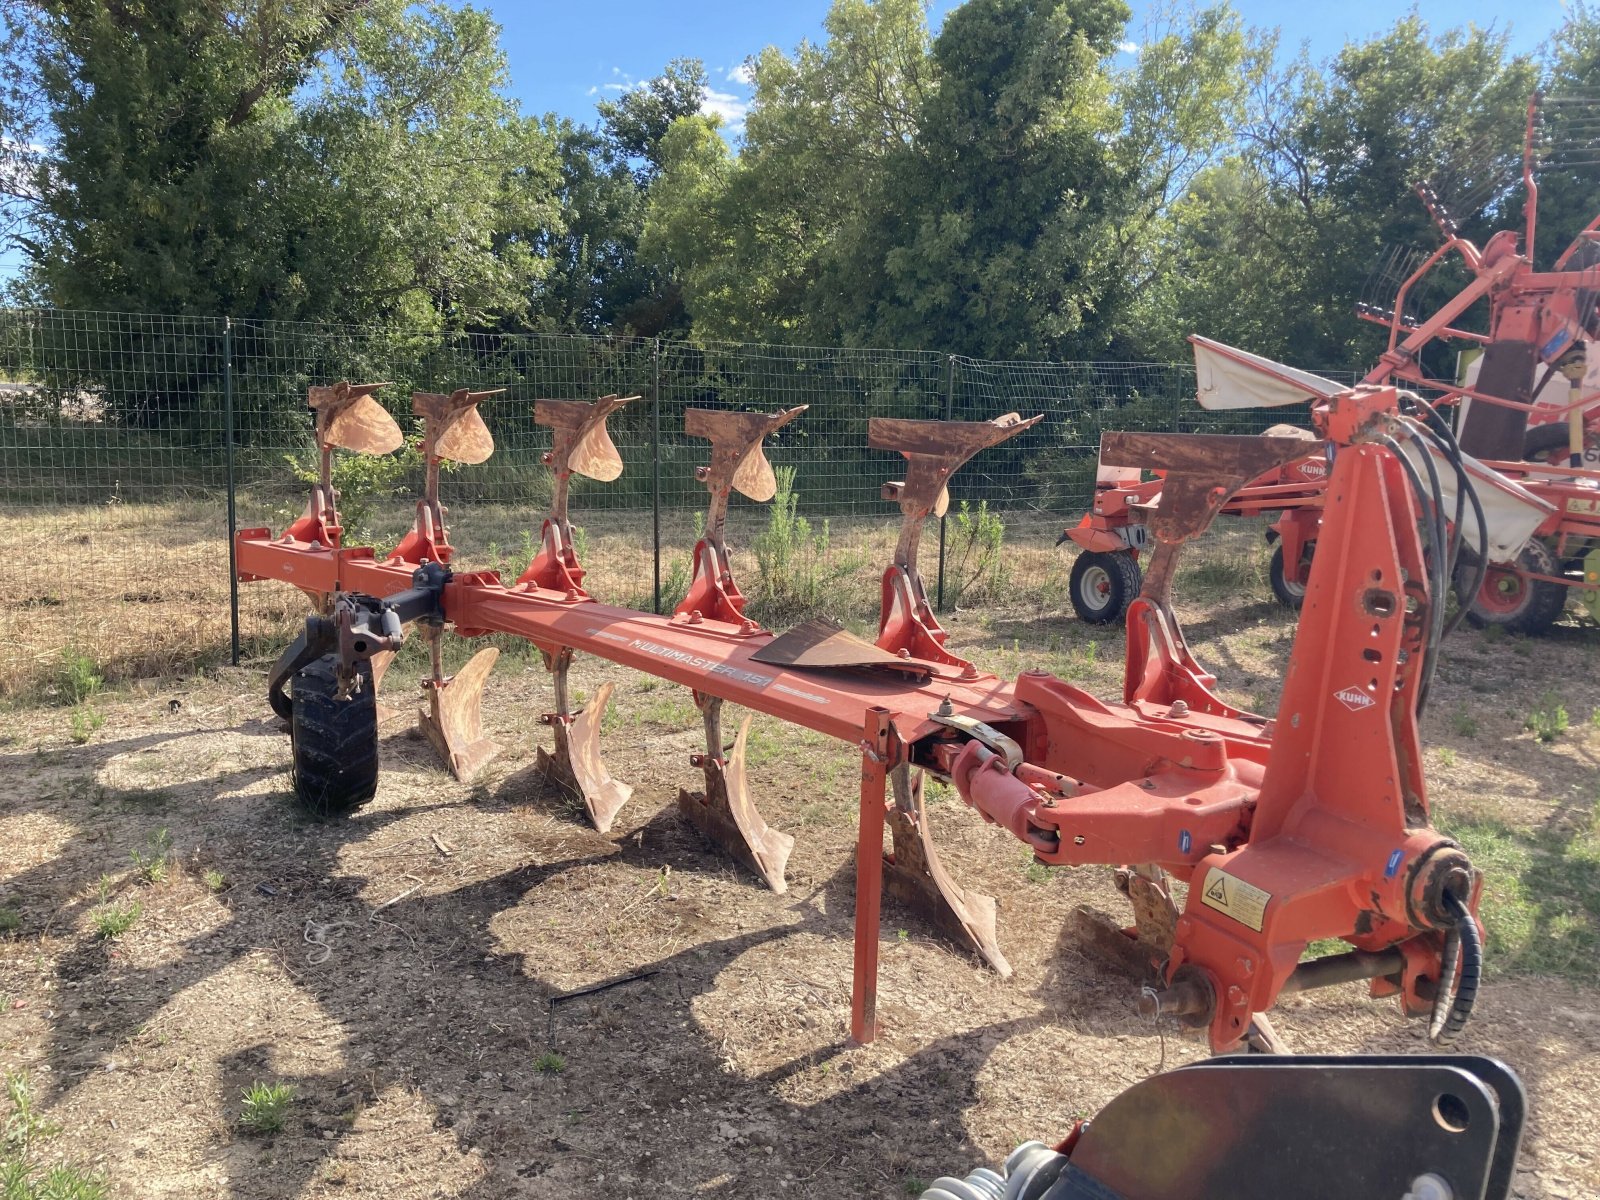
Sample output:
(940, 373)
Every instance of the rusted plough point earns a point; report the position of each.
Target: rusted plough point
(1315, 827)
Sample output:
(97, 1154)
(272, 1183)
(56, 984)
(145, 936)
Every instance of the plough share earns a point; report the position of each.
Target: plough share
(1311, 825)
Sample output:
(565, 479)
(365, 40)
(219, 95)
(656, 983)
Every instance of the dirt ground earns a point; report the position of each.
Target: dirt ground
(397, 968)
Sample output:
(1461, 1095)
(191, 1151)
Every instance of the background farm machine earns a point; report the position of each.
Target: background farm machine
(1527, 403)
(1311, 825)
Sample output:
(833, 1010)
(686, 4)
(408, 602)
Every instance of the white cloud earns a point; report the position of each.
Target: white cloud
(741, 75)
(731, 108)
(1128, 47)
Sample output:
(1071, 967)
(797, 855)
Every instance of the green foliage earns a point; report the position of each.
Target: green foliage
(264, 1107)
(113, 920)
(549, 1063)
(154, 862)
(793, 564)
(1548, 720)
(977, 568)
(78, 677)
(85, 719)
(361, 483)
(1462, 722)
(403, 182)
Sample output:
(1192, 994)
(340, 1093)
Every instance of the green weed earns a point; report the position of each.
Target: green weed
(795, 571)
(550, 1063)
(10, 920)
(1463, 723)
(264, 1107)
(1447, 757)
(1548, 720)
(85, 720)
(154, 863)
(114, 920)
(976, 553)
(21, 1178)
(78, 677)
(214, 879)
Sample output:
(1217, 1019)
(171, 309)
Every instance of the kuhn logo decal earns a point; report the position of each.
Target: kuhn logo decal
(1354, 698)
(1314, 468)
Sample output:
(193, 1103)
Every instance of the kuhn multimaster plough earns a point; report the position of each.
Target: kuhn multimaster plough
(1311, 825)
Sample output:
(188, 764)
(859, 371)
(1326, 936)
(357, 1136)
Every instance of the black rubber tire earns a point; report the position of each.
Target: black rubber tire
(1544, 440)
(1535, 608)
(1102, 585)
(335, 741)
(1290, 595)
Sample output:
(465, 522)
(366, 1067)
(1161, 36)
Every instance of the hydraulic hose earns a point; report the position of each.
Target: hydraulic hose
(1434, 554)
(1453, 1004)
(1439, 429)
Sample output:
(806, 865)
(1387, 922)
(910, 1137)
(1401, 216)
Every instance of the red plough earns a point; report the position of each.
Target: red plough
(1313, 825)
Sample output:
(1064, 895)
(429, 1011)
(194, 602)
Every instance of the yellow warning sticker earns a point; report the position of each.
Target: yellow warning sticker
(1233, 897)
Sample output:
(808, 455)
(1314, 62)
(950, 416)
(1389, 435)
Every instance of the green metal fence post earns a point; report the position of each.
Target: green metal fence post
(227, 457)
(655, 461)
(949, 407)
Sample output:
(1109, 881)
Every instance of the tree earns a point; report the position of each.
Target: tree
(353, 160)
(1273, 246)
(597, 281)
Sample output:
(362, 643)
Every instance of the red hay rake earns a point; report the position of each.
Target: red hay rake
(1529, 406)
(1313, 825)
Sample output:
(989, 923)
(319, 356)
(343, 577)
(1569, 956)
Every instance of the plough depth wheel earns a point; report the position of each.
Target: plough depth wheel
(1289, 593)
(1102, 585)
(335, 741)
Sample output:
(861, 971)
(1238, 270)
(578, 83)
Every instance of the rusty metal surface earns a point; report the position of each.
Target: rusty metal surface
(738, 462)
(934, 451)
(581, 446)
(821, 645)
(916, 877)
(349, 418)
(725, 814)
(1203, 472)
(455, 428)
(576, 763)
(453, 720)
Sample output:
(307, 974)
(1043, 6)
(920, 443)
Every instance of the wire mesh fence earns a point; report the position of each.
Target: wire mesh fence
(128, 442)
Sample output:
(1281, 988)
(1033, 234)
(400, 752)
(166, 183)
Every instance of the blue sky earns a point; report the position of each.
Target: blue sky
(564, 56)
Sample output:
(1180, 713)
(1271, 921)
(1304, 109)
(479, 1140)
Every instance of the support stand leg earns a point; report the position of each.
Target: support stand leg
(869, 876)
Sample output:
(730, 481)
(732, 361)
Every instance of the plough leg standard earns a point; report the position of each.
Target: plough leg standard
(1312, 825)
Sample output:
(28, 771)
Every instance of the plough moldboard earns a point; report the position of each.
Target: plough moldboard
(1313, 825)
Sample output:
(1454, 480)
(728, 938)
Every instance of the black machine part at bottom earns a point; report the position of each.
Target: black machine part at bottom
(1313, 1127)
